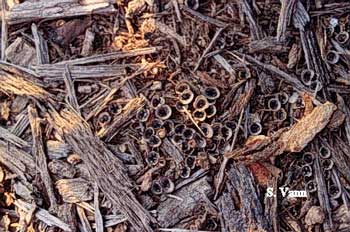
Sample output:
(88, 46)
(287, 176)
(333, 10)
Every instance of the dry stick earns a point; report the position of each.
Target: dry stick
(3, 30)
(42, 51)
(204, 18)
(255, 29)
(102, 104)
(39, 153)
(285, 17)
(177, 10)
(223, 62)
(220, 176)
(16, 69)
(98, 215)
(346, 110)
(12, 138)
(21, 124)
(105, 169)
(42, 215)
(72, 97)
(42, 9)
(54, 72)
(85, 225)
(112, 56)
(323, 195)
(211, 44)
(293, 81)
(194, 122)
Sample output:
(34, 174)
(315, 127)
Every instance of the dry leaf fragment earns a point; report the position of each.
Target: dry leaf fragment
(260, 172)
(2, 175)
(74, 190)
(315, 215)
(296, 139)
(5, 110)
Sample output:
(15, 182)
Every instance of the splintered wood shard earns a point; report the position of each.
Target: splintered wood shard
(307, 128)
(42, 215)
(29, 11)
(18, 161)
(322, 194)
(285, 17)
(20, 86)
(256, 31)
(105, 169)
(40, 156)
(42, 51)
(129, 111)
(12, 138)
(71, 95)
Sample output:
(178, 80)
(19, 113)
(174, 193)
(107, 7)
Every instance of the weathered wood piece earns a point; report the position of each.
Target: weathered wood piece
(171, 211)
(172, 151)
(40, 156)
(42, 215)
(21, 53)
(74, 190)
(323, 195)
(98, 215)
(105, 169)
(247, 213)
(111, 56)
(67, 213)
(23, 87)
(29, 11)
(285, 18)
(71, 95)
(204, 18)
(54, 72)
(256, 31)
(289, 78)
(128, 112)
(42, 51)
(57, 149)
(4, 29)
(18, 161)
(12, 138)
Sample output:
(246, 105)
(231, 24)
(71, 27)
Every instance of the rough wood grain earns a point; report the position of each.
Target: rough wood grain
(12, 138)
(42, 52)
(29, 11)
(128, 112)
(54, 72)
(71, 95)
(19, 86)
(171, 211)
(18, 161)
(247, 214)
(40, 156)
(42, 215)
(105, 169)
